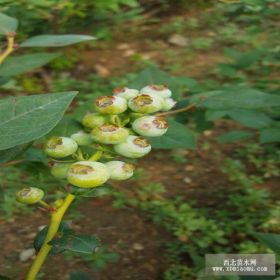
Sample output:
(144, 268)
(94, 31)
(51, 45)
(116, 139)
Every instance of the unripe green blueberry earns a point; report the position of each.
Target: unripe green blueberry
(150, 126)
(168, 104)
(133, 147)
(161, 90)
(82, 138)
(109, 134)
(88, 174)
(93, 120)
(59, 147)
(111, 105)
(146, 103)
(29, 195)
(60, 170)
(120, 170)
(125, 92)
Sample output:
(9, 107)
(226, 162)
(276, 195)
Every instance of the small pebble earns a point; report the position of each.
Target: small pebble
(137, 247)
(27, 254)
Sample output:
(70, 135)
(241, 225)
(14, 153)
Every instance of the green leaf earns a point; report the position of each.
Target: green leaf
(249, 118)
(244, 98)
(26, 118)
(270, 135)
(177, 136)
(7, 24)
(85, 244)
(12, 153)
(24, 63)
(63, 229)
(55, 40)
(234, 136)
(271, 240)
(78, 275)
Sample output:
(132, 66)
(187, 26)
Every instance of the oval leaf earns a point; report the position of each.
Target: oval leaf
(26, 118)
(55, 40)
(78, 275)
(7, 24)
(24, 63)
(270, 135)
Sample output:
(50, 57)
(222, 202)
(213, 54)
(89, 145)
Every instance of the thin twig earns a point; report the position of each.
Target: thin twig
(10, 47)
(14, 162)
(185, 109)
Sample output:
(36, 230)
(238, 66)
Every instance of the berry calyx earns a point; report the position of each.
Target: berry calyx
(112, 105)
(92, 120)
(125, 92)
(168, 104)
(29, 195)
(133, 147)
(120, 170)
(60, 170)
(146, 103)
(161, 90)
(109, 134)
(82, 138)
(88, 174)
(150, 126)
(59, 147)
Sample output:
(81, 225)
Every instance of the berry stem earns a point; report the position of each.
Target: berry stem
(185, 109)
(55, 221)
(43, 203)
(9, 49)
(96, 156)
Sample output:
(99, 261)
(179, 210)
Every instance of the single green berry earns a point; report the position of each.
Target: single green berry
(120, 170)
(29, 195)
(150, 126)
(146, 103)
(82, 138)
(125, 92)
(161, 90)
(133, 147)
(60, 170)
(109, 134)
(88, 174)
(93, 120)
(168, 104)
(111, 105)
(59, 147)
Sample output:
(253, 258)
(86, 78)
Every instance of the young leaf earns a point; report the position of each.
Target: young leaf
(234, 136)
(177, 136)
(26, 118)
(55, 40)
(64, 228)
(7, 24)
(270, 135)
(24, 63)
(93, 192)
(85, 244)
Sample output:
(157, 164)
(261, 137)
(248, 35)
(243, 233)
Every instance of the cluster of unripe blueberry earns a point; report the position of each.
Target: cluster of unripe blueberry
(118, 127)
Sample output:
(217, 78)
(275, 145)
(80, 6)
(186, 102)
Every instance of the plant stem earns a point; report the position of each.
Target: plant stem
(96, 156)
(9, 49)
(56, 219)
(185, 109)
